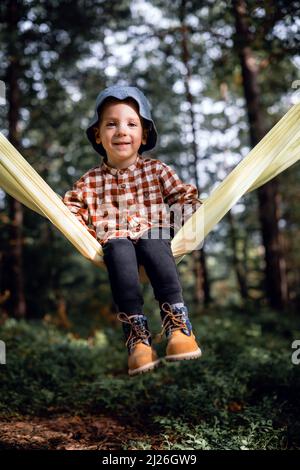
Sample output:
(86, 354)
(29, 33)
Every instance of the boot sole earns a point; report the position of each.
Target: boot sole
(184, 356)
(145, 368)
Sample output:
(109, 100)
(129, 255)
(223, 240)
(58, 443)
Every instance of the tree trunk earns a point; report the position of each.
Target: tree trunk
(237, 264)
(268, 196)
(202, 285)
(276, 282)
(13, 265)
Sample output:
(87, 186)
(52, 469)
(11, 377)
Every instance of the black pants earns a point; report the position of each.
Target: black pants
(122, 256)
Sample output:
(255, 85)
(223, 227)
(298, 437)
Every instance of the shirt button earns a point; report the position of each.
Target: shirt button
(123, 185)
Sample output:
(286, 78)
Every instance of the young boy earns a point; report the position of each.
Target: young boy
(123, 203)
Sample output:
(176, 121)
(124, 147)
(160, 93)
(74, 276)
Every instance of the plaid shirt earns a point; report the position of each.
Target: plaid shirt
(127, 202)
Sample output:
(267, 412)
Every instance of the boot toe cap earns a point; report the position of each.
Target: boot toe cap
(142, 359)
(182, 347)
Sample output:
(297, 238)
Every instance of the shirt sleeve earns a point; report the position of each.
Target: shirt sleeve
(76, 203)
(176, 192)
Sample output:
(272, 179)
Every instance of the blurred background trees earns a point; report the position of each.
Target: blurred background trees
(218, 74)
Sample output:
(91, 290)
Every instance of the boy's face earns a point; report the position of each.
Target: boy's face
(120, 132)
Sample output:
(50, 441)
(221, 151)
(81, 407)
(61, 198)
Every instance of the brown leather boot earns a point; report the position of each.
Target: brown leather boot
(176, 325)
(141, 356)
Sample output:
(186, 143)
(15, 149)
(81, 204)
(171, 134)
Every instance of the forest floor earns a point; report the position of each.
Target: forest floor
(60, 390)
(70, 433)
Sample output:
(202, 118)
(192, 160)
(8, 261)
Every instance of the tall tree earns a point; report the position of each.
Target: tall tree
(268, 195)
(13, 253)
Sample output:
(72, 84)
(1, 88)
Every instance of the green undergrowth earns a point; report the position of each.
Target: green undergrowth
(242, 394)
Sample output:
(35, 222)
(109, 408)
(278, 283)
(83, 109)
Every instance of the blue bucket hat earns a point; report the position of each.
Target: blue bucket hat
(122, 92)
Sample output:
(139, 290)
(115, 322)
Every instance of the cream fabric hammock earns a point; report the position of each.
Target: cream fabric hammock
(278, 150)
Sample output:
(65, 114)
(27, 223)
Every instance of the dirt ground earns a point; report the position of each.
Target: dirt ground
(69, 433)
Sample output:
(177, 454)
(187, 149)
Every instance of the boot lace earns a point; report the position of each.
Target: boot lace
(138, 331)
(171, 322)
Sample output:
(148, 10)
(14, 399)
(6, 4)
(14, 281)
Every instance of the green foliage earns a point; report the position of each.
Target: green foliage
(242, 394)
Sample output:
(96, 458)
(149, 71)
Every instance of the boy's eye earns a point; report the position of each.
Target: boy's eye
(131, 124)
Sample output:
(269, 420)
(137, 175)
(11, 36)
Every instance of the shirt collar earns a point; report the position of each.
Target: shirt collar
(120, 171)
